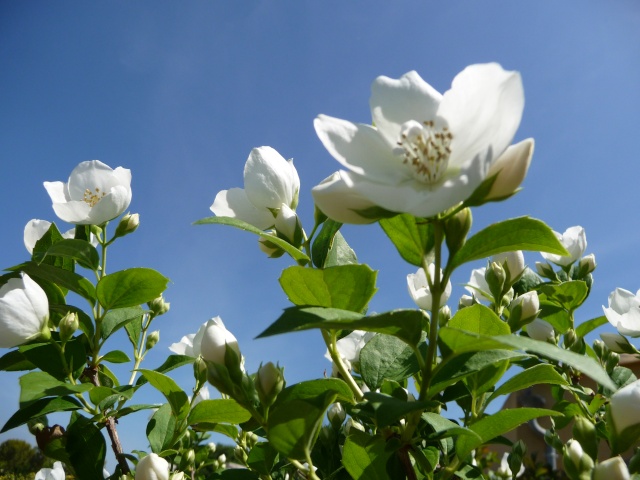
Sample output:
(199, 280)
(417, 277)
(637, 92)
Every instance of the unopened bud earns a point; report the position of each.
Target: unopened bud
(212, 447)
(495, 277)
(152, 339)
(466, 301)
(611, 469)
(352, 424)
(599, 348)
(523, 310)
(513, 264)
(158, 306)
(222, 459)
(269, 383)
(177, 476)
(612, 362)
(444, 315)
(188, 459)
(288, 226)
(68, 326)
(456, 229)
(336, 415)
(545, 270)
(128, 224)
(570, 338)
(585, 432)
(587, 265)
(269, 248)
(576, 462)
(616, 343)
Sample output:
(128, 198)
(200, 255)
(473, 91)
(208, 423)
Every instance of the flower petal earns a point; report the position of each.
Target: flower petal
(396, 101)
(361, 149)
(33, 231)
(511, 168)
(110, 206)
(92, 175)
(24, 310)
(338, 201)
(483, 109)
(57, 191)
(269, 180)
(73, 211)
(235, 203)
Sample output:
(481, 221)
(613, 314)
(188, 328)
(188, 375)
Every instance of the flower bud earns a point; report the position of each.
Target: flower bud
(625, 406)
(188, 459)
(513, 264)
(128, 224)
(152, 467)
(200, 372)
(585, 432)
(496, 277)
(612, 362)
(444, 316)
(541, 330)
(336, 415)
(466, 301)
(215, 340)
(288, 226)
(420, 291)
(352, 424)
(178, 476)
(523, 310)
(269, 383)
(611, 469)
(570, 338)
(158, 306)
(587, 265)
(545, 270)
(152, 339)
(576, 462)
(599, 348)
(616, 343)
(240, 454)
(222, 459)
(456, 229)
(68, 326)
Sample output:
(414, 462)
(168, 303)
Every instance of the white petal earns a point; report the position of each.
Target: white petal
(337, 200)
(75, 211)
(184, 347)
(92, 175)
(57, 191)
(269, 180)
(110, 206)
(235, 203)
(483, 109)
(394, 102)
(511, 168)
(33, 231)
(24, 310)
(361, 149)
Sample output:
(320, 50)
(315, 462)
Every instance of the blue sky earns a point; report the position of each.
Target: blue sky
(179, 92)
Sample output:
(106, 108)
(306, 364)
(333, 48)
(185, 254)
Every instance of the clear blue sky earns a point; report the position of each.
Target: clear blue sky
(179, 92)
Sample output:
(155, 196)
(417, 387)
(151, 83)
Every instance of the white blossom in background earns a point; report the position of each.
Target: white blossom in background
(426, 151)
(513, 263)
(624, 311)
(541, 330)
(616, 342)
(152, 467)
(611, 469)
(419, 288)
(35, 229)
(55, 473)
(478, 286)
(574, 240)
(209, 341)
(529, 303)
(349, 347)
(504, 470)
(24, 311)
(625, 406)
(270, 182)
(94, 194)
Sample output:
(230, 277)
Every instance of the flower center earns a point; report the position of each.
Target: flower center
(426, 150)
(93, 197)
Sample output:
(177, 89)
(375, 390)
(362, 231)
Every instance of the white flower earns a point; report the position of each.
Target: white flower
(270, 378)
(270, 182)
(349, 346)
(625, 406)
(512, 262)
(24, 311)
(511, 168)
(478, 285)
(419, 288)
(55, 473)
(427, 152)
(574, 240)
(611, 469)
(341, 202)
(574, 452)
(35, 229)
(94, 194)
(624, 311)
(616, 342)
(541, 330)
(210, 341)
(504, 470)
(152, 467)
(529, 303)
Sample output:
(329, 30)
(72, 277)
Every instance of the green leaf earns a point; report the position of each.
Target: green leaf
(178, 400)
(262, 457)
(556, 316)
(115, 356)
(521, 233)
(543, 373)
(340, 253)
(365, 457)
(404, 324)
(348, 287)
(46, 357)
(296, 254)
(118, 318)
(590, 325)
(172, 362)
(51, 237)
(497, 424)
(569, 295)
(14, 361)
(39, 408)
(294, 425)
(220, 410)
(86, 323)
(413, 237)
(129, 288)
(386, 357)
(63, 278)
(385, 409)
(79, 250)
(161, 429)
(323, 241)
(479, 319)
(36, 385)
(444, 428)
(313, 388)
(136, 408)
(86, 447)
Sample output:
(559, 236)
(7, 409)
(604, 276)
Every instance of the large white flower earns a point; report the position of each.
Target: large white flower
(478, 285)
(35, 229)
(427, 152)
(24, 311)
(55, 473)
(152, 467)
(94, 194)
(209, 341)
(419, 288)
(574, 240)
(624, 311)
(270, 181)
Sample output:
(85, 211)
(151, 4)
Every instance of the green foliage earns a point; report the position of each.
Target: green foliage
(130, 288)
(18, 457)
(413, 237)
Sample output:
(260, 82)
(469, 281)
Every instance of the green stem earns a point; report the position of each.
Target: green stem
(331, 342)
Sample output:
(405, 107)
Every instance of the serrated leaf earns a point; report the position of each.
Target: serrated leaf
(386, 357)
(262, 457)
(556, 316)
(130, 288)
(479, 319)
(347, 287)
(413, 237)
(46, 357)
(404, 324)
(224, 410)
(340, 253)
(523, 233)
(296, 254)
